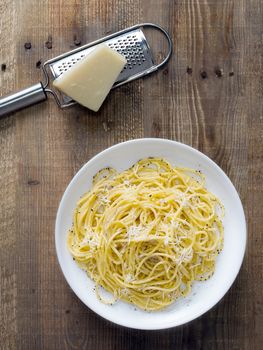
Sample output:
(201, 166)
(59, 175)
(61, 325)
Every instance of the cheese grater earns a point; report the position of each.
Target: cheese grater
(130, 42)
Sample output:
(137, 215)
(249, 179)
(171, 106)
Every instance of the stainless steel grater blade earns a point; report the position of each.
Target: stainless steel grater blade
(130, 42)
(133, 47)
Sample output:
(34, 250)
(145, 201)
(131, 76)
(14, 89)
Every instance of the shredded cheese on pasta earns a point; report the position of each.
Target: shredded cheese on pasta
(147, 233)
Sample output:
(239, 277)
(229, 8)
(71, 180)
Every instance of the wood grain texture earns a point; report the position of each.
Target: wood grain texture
(8, 170)
(209, 96)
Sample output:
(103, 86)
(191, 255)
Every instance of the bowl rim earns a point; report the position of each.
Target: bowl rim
(169, 324)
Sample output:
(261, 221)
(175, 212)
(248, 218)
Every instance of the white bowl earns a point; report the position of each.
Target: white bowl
(205, 294)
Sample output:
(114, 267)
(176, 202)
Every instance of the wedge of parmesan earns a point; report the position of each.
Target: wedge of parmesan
(89, 81)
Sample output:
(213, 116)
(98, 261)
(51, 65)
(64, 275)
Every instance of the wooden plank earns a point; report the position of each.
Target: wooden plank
(8, 180)
(209, 96)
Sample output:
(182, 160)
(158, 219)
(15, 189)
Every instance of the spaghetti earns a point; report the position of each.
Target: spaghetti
(147, 233)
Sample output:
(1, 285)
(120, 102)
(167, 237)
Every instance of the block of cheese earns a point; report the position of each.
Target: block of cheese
(89, 81)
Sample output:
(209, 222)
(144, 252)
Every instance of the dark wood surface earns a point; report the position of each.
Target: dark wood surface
(209, 96)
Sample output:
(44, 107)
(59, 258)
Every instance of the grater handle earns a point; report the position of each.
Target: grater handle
(24, 98)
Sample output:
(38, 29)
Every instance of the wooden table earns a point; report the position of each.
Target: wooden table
(209, 96)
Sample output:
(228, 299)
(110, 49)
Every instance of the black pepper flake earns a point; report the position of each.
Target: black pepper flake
(48, 43)
(231, 74)
(3, 67)
(218, 72)
(77, 42)
(203, 74)
(189, 70)
(33, 182)
(38, 64)
(27, 46)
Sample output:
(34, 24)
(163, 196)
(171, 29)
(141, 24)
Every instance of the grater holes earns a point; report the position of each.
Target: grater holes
(131, 47)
